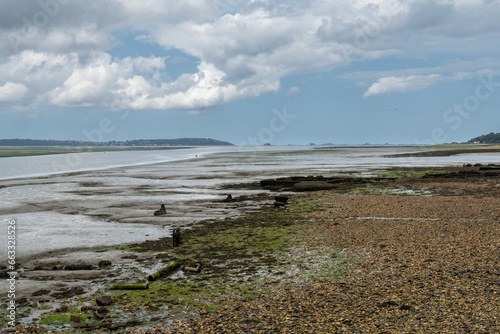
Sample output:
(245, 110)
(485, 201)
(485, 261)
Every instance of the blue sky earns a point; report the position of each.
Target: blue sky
(251, 72)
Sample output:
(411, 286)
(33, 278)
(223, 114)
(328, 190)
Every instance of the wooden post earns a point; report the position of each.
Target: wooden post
(176, 237)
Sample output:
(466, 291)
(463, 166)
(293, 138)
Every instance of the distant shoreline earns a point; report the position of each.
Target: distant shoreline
(17, 142)
(26, 151)
(434, 151)
(449, 152)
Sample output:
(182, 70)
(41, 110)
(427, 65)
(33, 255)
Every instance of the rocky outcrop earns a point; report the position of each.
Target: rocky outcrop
(104, 301)
(308, 183)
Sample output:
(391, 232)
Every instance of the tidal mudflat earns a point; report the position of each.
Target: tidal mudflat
(245, 247)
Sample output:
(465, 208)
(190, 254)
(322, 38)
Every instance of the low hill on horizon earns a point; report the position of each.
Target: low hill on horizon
(137, 142)
(490, 138)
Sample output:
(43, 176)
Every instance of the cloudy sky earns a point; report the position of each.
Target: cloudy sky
(250, 72)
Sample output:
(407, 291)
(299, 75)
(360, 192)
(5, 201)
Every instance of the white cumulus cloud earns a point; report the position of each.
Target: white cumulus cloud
(12, 91)
(293, 91)
(389, 85)
(244, 49)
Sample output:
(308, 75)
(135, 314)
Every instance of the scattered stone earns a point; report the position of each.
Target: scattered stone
(62, 308)
(79, 267)
(312, 186)
(100, 309)
(40, 292)
(104, 301)
(68, 293)
(282, 199)
(389, 303)
(130, 256)
(75, 318)
(279, 204)
(22, 302)
(104, 263)
(98, 315)
(441, 254)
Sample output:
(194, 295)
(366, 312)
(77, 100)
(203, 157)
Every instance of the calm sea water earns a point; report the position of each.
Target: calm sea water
(337, 158)
(44, 165)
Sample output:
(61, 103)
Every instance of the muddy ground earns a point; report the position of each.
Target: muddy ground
(403, 250)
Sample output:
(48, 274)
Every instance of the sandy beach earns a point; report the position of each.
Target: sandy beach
(375, 248)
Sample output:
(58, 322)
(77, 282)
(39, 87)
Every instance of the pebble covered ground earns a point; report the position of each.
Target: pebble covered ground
(421, 264)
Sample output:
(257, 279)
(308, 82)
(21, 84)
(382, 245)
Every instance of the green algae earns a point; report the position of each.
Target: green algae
(245, 257)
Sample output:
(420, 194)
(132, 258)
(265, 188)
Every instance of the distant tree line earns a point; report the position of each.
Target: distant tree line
(490, 138)
(138, 142)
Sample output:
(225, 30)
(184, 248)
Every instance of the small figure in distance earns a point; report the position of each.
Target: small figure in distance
(162, 211)
(229, 198)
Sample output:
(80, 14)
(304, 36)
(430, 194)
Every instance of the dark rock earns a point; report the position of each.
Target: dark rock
(104, 301)
(279, 204)
(130, 256)
(100, 309)
(282, 199)
(490, 167)
(62, 308)
(22, 302)
(405, 308)
(312, 186)
(388, 303)
(68, 293)
(40, 292)
(79, 267)
(75, 318)
(104, 263)
(98, 315)
(301, 183)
